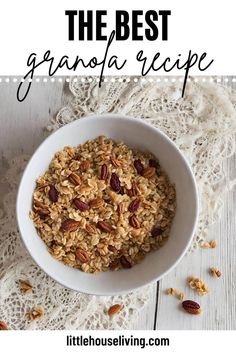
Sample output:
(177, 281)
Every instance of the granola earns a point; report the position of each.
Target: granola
(173, 291)
(25, 286)
(215, 272)
(35, 314)
(198, 285)
(102, 205)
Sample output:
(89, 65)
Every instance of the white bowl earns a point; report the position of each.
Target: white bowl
(137, 134)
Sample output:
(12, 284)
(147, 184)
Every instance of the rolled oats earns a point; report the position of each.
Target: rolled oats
(103, 206)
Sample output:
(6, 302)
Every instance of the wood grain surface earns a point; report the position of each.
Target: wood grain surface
(22, 129)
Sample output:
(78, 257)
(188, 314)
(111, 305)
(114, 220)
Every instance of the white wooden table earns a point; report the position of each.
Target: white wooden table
(21, 131)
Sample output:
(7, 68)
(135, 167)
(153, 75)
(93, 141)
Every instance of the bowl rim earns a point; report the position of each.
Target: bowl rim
(123, 118)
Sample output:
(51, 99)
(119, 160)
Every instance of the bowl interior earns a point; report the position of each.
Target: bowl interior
(136, 134)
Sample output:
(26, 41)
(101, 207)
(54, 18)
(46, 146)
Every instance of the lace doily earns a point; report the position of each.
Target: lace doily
(202, 124)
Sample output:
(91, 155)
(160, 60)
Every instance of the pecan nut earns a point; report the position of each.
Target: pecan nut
(115, 162)
(104, 226)
(96, 203)
(79, 204)
(104, 172)
(191, 307)
(82, 255)
(70, 225)
(84, 165)
(125, 263)
(74, 178)
(134, 205)
(114, 309)
(149, 172)
(133, 191)
(138, 166)
(112, 248)
(134, 222)
(91, 229)
(53, 194)
(3, 326)
(115, 182)
(40, 208)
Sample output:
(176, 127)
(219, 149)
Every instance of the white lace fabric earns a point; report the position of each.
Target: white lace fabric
(202, 125)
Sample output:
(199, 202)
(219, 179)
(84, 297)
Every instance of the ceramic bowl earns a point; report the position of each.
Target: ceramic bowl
(136, 133)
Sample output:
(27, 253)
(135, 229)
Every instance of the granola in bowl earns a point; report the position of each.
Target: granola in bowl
(102, 205)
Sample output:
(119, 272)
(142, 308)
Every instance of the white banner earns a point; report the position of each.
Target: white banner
(159, 37)
(62, 342)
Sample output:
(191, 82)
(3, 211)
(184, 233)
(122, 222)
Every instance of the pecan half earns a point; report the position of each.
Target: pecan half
(82, 255)
(74, 178)
(40, 208)
(43, 212)
(134, 205)
(96, 203)
(149, 172)
(112, 248)
(84, 166)
(104, 172)
(91, 229)
(114, 309)
(3, 326)
(79, 204)
(191, 307)
(134, 222)
(53, 194)
(104, 226)
(115, 182)
(125, 263)
(115, 162)
(138, 166)
(133, 191)
(70, 225)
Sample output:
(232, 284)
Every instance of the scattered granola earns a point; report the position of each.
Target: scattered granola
(35, 314)
(173, 291)
(198, 285)
(99, 197)
(113, 310)
(3, 326)
(211, 244)
(25, 286)
(215, 272)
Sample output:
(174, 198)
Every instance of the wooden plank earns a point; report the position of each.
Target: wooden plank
(24, 122)
(219, 310)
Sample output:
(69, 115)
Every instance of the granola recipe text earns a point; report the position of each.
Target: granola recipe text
(102, 205)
